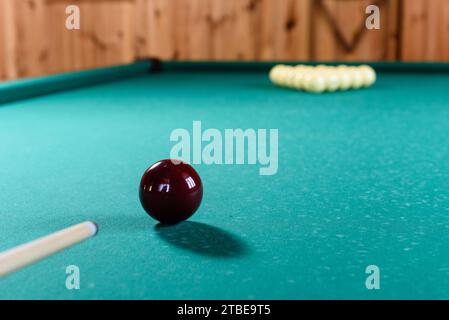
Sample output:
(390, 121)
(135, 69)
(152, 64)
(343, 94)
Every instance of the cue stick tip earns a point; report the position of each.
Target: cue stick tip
(93, 227)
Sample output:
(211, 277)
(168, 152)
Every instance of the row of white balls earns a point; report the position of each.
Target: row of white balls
(322, 78)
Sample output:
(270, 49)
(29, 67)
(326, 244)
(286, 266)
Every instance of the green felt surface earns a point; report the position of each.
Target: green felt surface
(363, 179)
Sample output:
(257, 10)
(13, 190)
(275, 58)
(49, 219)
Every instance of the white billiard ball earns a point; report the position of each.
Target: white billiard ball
(318, 83)
(272, 75)
(332, 79)
(284, 75)
(322, 68)
(306, 80)
(356, 77)
(276, 74)
(290, 77)
(280, 74)
(314, 82)
(273, 71)
(344, 77)
(296, 81)
(300, 72)
(368, 74)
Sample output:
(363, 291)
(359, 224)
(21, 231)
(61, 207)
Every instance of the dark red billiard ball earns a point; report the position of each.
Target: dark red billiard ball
(170, 191)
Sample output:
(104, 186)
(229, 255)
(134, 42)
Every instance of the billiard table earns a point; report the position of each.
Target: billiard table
(362, 181)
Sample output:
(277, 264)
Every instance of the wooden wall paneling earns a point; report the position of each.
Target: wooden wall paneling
(102, 37)
(393, 29)
(181, 36)
(375, 44)
(368, 44)
(59, 48)
(52, 33)
(275, 22)
(2, 42)
(222, 24)
(268, 22)
(110, 31)
(106, 36)
(414, 28)
(253, 10)
(34, 40)
(246, 31)
(444, 33)
(140, 28)
(118, 31)
(126, 37)
(285, 30)
(87, 40)
(161, 28)
(107, 30)
(178, 29)
(81, 56)
(425, 30)
(437, 37)
(8, 47)
(332, 38)
(297, 30)
(226, 30)
(233, 26)
(323, 44)
(64, 51)
(39, 35)
(261, 29)
(280, 14)
(197, 30)
(339, 31)
(443, 39)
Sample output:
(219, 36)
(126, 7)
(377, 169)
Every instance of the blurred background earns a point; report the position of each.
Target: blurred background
(34, 40)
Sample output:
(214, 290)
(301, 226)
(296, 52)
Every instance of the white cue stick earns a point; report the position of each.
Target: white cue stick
(25, 254)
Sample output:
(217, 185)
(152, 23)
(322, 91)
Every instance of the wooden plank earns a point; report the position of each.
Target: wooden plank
(106, 31)
(323, 45)
(126, 35)
(413, 30)
(197, 29)
(435, 20)
(66, 49)
(161, 26)
(10, 40)
(392, 34)
(80, 55)
(297, 28)
(261, 30)
(222, 24)
(425, 30)
(339, 31)
(370, 45)
(2, 41)
(229, 42)
(227, 30)
(267, 26)
(141, 28)
(88, 40)
(117, 32)
(35, 29)
(38, 39)
(285, 28)
(443, 34)
(60, 46)
(245, 24)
